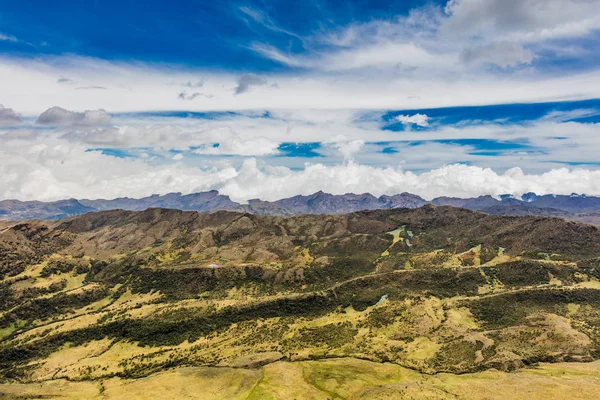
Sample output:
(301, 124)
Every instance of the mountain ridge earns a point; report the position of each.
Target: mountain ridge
(574, 207)
(437, 289)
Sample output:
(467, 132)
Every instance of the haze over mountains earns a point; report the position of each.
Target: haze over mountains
(574, 207)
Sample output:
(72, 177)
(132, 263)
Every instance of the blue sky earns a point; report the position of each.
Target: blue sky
(275, 98)
(159, 31)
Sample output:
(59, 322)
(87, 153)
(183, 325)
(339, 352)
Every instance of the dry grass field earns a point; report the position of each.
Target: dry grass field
(343, 378)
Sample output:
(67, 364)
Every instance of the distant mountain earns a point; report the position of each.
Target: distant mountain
(573, 203)
(21, 210)
(325, 203)
(260, 207)
(574, 207)
(477, 203)
(524, 209)
(205, 202)
(592, 217)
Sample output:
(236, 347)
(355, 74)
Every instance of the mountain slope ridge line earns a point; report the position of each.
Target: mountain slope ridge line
(573, 207)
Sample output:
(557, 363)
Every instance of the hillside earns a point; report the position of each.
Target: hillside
(126, 294)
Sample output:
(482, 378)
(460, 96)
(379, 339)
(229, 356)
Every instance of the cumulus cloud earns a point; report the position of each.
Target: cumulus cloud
(349, 149)
(194, 155)
(460, 180)
(51, 170)
(245, 82)
(8, 116)
(416, 119)
(57, 116)
(503, 53)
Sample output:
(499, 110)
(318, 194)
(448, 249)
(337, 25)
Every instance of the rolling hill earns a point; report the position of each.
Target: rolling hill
(383, 297)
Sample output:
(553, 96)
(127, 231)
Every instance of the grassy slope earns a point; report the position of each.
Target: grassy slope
(105, 297)
(328, 379)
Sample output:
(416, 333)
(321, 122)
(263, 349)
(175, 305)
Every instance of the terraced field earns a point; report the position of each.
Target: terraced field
(381, 304)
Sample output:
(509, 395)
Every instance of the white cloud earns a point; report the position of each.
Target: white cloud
(349, 149)
(41, 164)
(451, 180)
(429, 41)
(235, 145)
(416, 119)
(404, 62)
(57, 116)
(386, 54)
(409, 62)
(517, 18)
(53, 171)
(245, 82)
(276, 55)
(503, 54)
(21, 134)
(8, 116)
(263, 18)
(139, 88)
(259, 134)
(8, 38)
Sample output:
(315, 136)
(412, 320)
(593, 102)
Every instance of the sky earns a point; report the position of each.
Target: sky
(270, 98)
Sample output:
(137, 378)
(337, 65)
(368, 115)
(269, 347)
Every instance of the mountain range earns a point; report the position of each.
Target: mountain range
(573, 207)
(435, 302)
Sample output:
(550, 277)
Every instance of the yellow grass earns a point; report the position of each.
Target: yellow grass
(344, 378)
